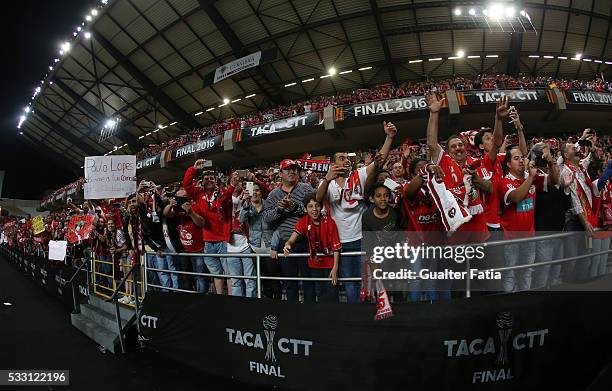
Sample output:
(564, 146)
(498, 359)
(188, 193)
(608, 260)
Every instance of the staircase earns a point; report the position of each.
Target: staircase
(97, 320)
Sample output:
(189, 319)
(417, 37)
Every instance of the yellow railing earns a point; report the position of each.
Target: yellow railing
(105, 284)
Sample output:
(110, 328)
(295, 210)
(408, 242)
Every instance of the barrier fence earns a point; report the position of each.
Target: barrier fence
(259, 277)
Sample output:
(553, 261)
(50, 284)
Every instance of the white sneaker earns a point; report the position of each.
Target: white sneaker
(123, 300)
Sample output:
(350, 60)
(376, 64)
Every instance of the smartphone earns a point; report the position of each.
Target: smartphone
(249, 187)
(391, 184)
(242, 173)
(585, 143)
(181, 200)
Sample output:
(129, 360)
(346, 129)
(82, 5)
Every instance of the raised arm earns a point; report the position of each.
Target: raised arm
(501, 111)
(390, 131)
(188, 180)
(516, 120)
(434, 105)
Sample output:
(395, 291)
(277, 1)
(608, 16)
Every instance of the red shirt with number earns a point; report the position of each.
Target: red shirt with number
(495, 174)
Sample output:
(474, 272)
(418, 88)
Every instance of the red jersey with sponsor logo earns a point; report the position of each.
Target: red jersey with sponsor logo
(425, 222)
(517, 219)
(495, 173)
(190, 234)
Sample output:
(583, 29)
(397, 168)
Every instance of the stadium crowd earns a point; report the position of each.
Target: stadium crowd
(380, 92)
(498, 187)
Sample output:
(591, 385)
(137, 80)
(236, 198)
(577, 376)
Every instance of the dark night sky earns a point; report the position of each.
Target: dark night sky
(31, 31)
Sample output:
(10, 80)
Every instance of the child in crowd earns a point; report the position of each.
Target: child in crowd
(323, 246)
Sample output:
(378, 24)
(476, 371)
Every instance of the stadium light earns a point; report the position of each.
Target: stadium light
(65, 46)
(475, 56)
(510, 12)
(173, 123)
(587, 59)
(249, 96)
(562, 57)
(435, 59)
(534, 56)
(458, 11)
(307, 80)
(522, 13)
(460, 53)
(598, 61)
(324, 76)
(87, 35)
(414, 61)
(345, 72)
(79, 28)
(472, 11)
(88, 18)
(94, 12)
(491, 56)
(496, 11)
(578, 56)
(226, 100)
(21, 133)
(365, 68)
(290, 84)
(609, 62)
(210, 109)
(237, 100)
(141, 137)
(548, 56)
(161, 126)
(27, 109)
(198, 113)
(331, 71)
(148, 134)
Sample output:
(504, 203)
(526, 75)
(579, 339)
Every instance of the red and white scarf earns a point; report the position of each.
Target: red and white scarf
(453, 214)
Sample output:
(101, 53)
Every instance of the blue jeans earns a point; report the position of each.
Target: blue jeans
(429, 290)
(550, 275)
(518, 254)
(152, 277)
(599, 263)
(163, 262)
(242, 267)
(201, 282)
(215, 264)
(294, 267)
(350, 266)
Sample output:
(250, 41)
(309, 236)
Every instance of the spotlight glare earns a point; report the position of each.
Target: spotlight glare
(472, 11)
(460, 53)
(522, 13)
(87, 35)
(331, 71)
(579, 56)
(510, 12)
(496, 11)
(458, 11)
(94, 12)
(226, 100)
(88, 18)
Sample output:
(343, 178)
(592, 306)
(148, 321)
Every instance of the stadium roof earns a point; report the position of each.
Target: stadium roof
(142, 63)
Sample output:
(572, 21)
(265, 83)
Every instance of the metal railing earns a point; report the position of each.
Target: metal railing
(113, 298)
(468, 288)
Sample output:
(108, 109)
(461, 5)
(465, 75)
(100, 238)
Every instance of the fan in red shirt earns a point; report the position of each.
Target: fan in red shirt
(517, 192)
(216, 206)
(322, 236)
(489, 143)
(456, 164)
(424, 227)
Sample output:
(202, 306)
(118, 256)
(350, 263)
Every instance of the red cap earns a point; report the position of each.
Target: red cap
(286, 163)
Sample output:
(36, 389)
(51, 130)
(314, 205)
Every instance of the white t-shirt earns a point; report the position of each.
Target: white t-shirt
(238, 242)
(347, 205)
